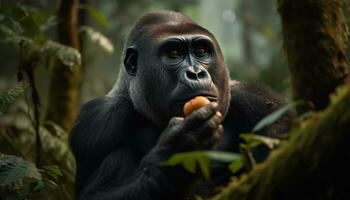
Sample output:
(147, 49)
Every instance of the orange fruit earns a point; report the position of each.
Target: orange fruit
(195, 104)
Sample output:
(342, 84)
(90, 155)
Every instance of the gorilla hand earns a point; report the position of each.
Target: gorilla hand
(198, 131)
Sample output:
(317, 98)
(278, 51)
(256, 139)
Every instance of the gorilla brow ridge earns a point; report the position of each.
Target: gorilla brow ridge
(156, 23)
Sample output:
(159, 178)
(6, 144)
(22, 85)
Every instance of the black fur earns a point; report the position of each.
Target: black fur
(120, 140)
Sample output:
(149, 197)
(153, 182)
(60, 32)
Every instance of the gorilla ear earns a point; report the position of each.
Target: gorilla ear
(130, 61)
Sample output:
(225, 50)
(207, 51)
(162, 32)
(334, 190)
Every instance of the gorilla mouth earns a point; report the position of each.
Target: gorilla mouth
(210, 96)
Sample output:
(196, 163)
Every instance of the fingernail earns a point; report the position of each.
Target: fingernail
(214, 104)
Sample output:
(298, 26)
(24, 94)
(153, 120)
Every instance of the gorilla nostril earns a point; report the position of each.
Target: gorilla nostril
(191, 75)
(202, 75)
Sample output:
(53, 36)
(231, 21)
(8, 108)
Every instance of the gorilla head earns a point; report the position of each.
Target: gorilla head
(169, 59)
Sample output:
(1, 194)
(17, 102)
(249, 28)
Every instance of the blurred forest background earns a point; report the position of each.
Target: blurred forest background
(248, 31)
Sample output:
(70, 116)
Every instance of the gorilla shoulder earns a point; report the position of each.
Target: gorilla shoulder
(251, 102)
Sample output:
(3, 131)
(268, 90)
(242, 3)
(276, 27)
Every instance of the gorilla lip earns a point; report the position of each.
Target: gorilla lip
(211, 97)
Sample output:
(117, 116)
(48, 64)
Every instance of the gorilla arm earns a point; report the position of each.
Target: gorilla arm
(109, 168)
(99, 128)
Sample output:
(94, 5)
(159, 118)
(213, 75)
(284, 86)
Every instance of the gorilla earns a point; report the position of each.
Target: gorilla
(121, 140)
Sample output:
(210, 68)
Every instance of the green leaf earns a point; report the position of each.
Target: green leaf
(98, 38)
(190, 160)
(221, 155)
(9, 96)
(236, 166)
(96, 15)
(189, 165)
(253, 140)
(14, 169)
(53, 171)
(271, 118)
(204, 165)
(67, 55)
(53, 184)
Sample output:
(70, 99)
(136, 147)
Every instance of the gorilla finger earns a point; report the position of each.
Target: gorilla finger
(199, 116)
(209, 127)
(220, 131)
(218, 135)
(186, 142)
(174, 121)
(209, 143)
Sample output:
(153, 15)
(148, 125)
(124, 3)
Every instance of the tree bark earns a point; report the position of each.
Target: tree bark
(312, 165)
(315, 49)
(64, 83)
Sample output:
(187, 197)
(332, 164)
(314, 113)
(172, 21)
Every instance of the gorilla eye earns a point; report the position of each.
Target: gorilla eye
(173, 53)
(201, 52)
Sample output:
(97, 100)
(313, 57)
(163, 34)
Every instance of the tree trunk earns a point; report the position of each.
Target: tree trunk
(64, 86)
(315, 48)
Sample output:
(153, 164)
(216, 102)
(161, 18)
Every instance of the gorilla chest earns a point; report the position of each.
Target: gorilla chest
(143, 140)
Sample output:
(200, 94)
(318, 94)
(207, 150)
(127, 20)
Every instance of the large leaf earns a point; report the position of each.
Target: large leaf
(14, 169)
(236, 166)
(273, 117)
(9, 96)
(45, 50)
(190, 160)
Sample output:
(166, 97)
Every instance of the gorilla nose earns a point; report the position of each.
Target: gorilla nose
(192, 75)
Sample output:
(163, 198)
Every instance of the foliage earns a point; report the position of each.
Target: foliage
(191, 160)
(273, 117)
(14, 169)
(41, 51)
(24, 27)
(8, 97)
(16, 174)
(21, 179)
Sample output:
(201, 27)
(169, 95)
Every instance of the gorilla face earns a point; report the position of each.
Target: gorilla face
(187, 59)
(172, 63)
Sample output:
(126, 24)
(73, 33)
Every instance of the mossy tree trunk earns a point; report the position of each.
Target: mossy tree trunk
(65, 80)
(314, 164)
(315, 48)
